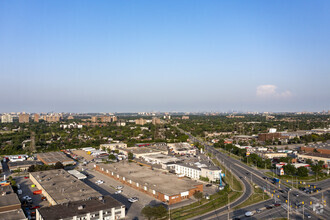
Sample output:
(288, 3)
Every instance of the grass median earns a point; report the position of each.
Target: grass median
(257, 196)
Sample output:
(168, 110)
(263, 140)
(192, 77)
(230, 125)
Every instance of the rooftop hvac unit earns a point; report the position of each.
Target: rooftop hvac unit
(101, 198)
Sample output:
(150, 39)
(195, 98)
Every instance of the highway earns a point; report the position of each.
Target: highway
(279, 192)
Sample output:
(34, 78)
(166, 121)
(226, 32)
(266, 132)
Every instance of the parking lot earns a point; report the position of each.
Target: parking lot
(26, 185)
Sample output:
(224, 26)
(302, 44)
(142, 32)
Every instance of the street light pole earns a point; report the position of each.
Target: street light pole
(288, 217)
(228, 206)
(304, 211)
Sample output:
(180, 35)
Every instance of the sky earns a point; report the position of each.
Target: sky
(133, 56)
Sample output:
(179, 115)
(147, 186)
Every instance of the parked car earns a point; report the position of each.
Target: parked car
(119, 191)
(208, 185)
(43, 198)
(133, 199)
(27, 198)
(258, 210)
(277, 204)
(99, 182)
(296, 194)
(119, 187)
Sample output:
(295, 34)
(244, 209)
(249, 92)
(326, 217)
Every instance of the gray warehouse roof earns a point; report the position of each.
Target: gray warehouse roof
(71, 209)
(166, 183)
(16, 214)
(53, 157)
(63, 187)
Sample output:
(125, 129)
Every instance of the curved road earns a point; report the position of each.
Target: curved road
(245, 172)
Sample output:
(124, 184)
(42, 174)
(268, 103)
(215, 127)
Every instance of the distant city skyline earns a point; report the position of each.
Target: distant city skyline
(143, 56)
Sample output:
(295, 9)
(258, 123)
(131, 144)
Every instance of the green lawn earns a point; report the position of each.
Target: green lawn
(257, 196)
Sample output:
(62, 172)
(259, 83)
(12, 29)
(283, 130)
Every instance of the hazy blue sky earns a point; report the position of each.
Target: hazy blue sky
(107, 56)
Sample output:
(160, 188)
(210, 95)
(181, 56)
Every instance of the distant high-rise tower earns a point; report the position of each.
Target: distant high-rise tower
(36, 118)
(6, 118)
(24, 118)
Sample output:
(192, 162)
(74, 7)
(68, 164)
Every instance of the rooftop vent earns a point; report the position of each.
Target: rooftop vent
(81, 207)
(101, 198)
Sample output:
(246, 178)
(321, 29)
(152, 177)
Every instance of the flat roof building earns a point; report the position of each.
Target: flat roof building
(59, 186)
(165, 187)
(104, 207)
(22, 165)
(142, 151)
(182, 148)
(51, 158)
(315, 157)
(10, 206)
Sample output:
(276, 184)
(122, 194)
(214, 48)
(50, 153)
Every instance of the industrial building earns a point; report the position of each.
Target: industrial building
(165, 187)
(77, 174)
(142, 151)
(10, 206)
(105, 208)
(182, 148)
(51, 158)
(59, 186)
(22, 165)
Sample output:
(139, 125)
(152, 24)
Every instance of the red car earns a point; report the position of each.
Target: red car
(277, 204)
(35, 207)
(26, 177)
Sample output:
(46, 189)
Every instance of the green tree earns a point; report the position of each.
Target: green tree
(289, 169)
(198, 195)
(112, 157)
(302, 171)
(316, 169)
(59, 165)
(130, 155)
(31, 168)
(156, 212)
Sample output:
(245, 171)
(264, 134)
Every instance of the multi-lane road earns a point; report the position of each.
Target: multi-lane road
(279, 192)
